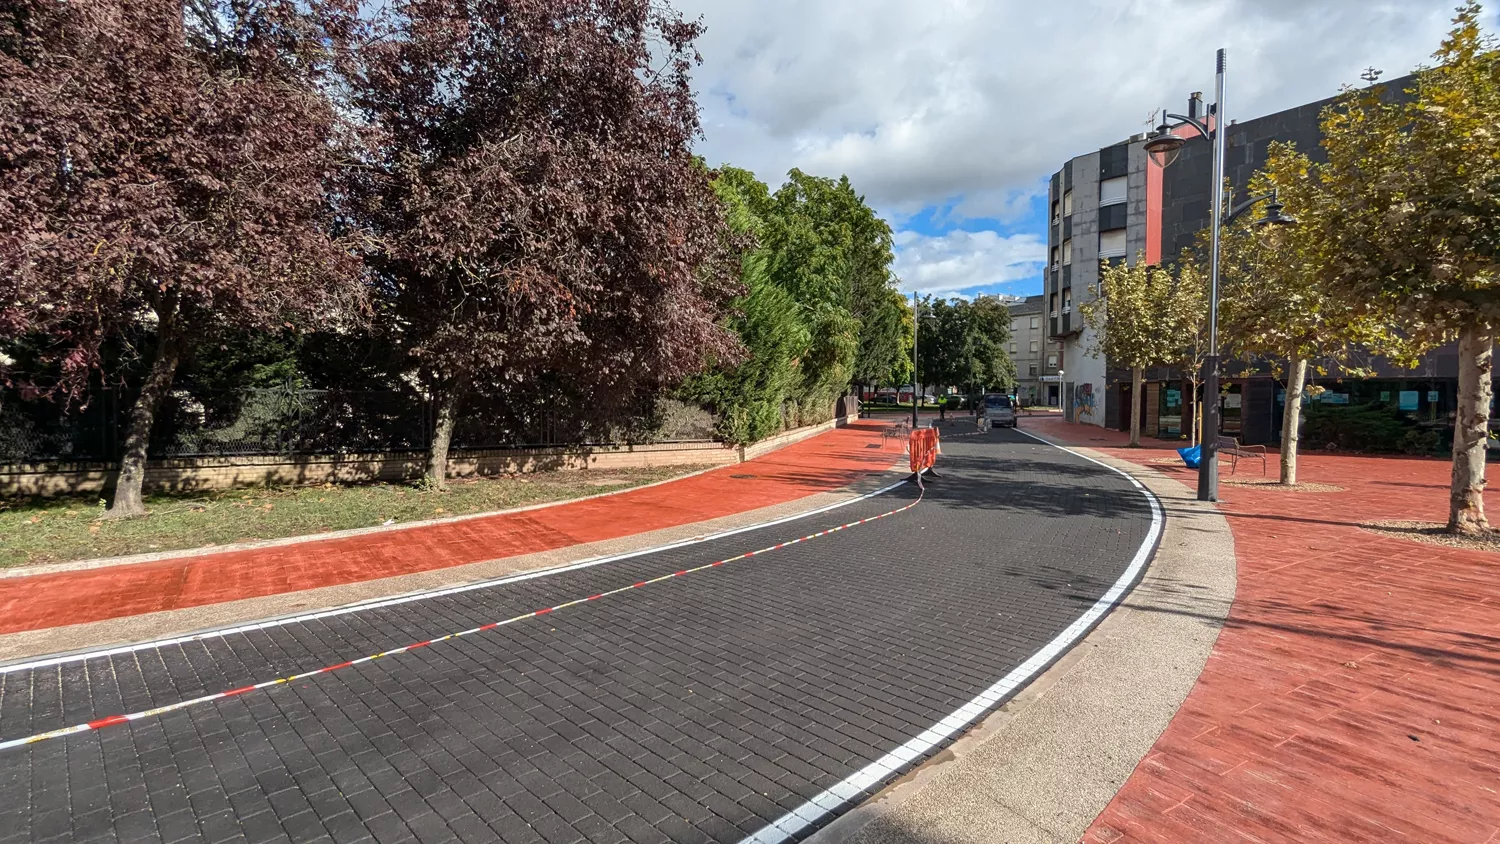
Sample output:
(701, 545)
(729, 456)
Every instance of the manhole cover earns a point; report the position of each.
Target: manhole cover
(741, 476)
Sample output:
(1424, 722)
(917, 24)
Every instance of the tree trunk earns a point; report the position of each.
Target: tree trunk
(1197, 414)
(1136, 378)
(1291, 418)
(448, 398)
(128, 501)
(1471, 428)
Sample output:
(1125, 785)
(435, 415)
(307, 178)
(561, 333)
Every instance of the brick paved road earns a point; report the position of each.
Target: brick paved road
(697, 709)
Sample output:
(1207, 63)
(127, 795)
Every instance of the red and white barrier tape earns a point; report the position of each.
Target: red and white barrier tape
(172, 707)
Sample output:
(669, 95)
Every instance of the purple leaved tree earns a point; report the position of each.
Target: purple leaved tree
(533, 200)
(165, 170)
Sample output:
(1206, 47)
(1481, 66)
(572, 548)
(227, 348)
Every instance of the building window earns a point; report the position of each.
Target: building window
(1054, 257)
(1015, 324)
(1067, 250)
(1036, 322)
(1067, 203)
(1068, 300)
(1031, 370)
(1112, 244)
(1012, 348)
(1036, 346)
(1056, 212)
(1113, 217)
(1053, 301)
(1051, 361)
(1112, 191)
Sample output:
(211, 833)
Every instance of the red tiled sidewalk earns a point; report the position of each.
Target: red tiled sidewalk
(825, 462)
(1354, 694)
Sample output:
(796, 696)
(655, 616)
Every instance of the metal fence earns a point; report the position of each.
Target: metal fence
(195, 423)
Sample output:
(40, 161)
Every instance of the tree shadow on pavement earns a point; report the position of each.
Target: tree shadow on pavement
(1286, 618)
(969, 483)
(1172, 510)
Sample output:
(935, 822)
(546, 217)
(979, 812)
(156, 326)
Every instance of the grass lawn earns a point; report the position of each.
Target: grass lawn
(57, 530)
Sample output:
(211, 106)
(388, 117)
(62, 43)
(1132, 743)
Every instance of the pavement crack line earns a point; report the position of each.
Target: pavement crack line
(100, 723)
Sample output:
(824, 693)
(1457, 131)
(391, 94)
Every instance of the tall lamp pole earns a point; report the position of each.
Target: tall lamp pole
(1163, 147)
(1208, 463)
(914, 387)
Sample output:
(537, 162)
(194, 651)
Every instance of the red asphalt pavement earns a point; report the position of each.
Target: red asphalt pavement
(822, 463)
(1352, 693)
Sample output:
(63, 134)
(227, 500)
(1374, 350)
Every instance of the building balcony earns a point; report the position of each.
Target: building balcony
(1062, 325)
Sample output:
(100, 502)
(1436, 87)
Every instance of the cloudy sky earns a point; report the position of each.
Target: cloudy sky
(950, 114)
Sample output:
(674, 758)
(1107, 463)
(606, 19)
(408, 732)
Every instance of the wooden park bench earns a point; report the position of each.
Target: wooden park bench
(1232, 447)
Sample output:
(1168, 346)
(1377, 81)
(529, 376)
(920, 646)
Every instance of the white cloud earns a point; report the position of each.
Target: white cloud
(968, 105)
(926, 101)
(959, 262)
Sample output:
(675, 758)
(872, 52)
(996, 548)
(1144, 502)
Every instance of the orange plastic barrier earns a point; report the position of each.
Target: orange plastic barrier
(924, 448)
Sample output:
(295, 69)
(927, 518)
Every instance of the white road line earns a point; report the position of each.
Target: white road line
(799, 820)
(347, 609)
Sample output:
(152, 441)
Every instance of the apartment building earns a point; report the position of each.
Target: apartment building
(1114, 205)
(1034, 352)
(1098, 204)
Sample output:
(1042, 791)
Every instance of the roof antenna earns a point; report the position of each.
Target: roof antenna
(1371, 74)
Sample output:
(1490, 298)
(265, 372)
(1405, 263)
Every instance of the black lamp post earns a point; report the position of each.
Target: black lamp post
(1163, 147)
(915, 379)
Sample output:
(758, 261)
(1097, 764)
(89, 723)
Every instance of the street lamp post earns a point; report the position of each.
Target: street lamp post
(1163, 147)
(914, 378)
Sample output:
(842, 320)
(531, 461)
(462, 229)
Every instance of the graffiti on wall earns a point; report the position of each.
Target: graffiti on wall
(1083, 402)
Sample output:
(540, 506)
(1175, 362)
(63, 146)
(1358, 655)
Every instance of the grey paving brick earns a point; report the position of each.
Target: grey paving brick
(388, 827)
(696, 710)
(135, 826)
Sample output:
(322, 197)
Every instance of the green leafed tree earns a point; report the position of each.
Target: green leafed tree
(963, 344)
(986, 363)
(1410, 199)
(750, 397)
(819, 309)
(933, 342)
(1136, 321)
(884, 353)
(1275, 302)
(1187, 315)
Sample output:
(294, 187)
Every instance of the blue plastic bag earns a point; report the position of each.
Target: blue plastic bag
(1191, 456)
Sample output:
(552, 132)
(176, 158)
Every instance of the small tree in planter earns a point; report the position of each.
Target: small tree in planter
(1139, 319)
(1187, 314)
(1275, 301)
(1411, 200)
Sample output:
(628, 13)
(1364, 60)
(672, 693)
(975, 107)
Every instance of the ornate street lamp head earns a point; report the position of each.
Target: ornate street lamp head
(1274, 216)
(1164, 145)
